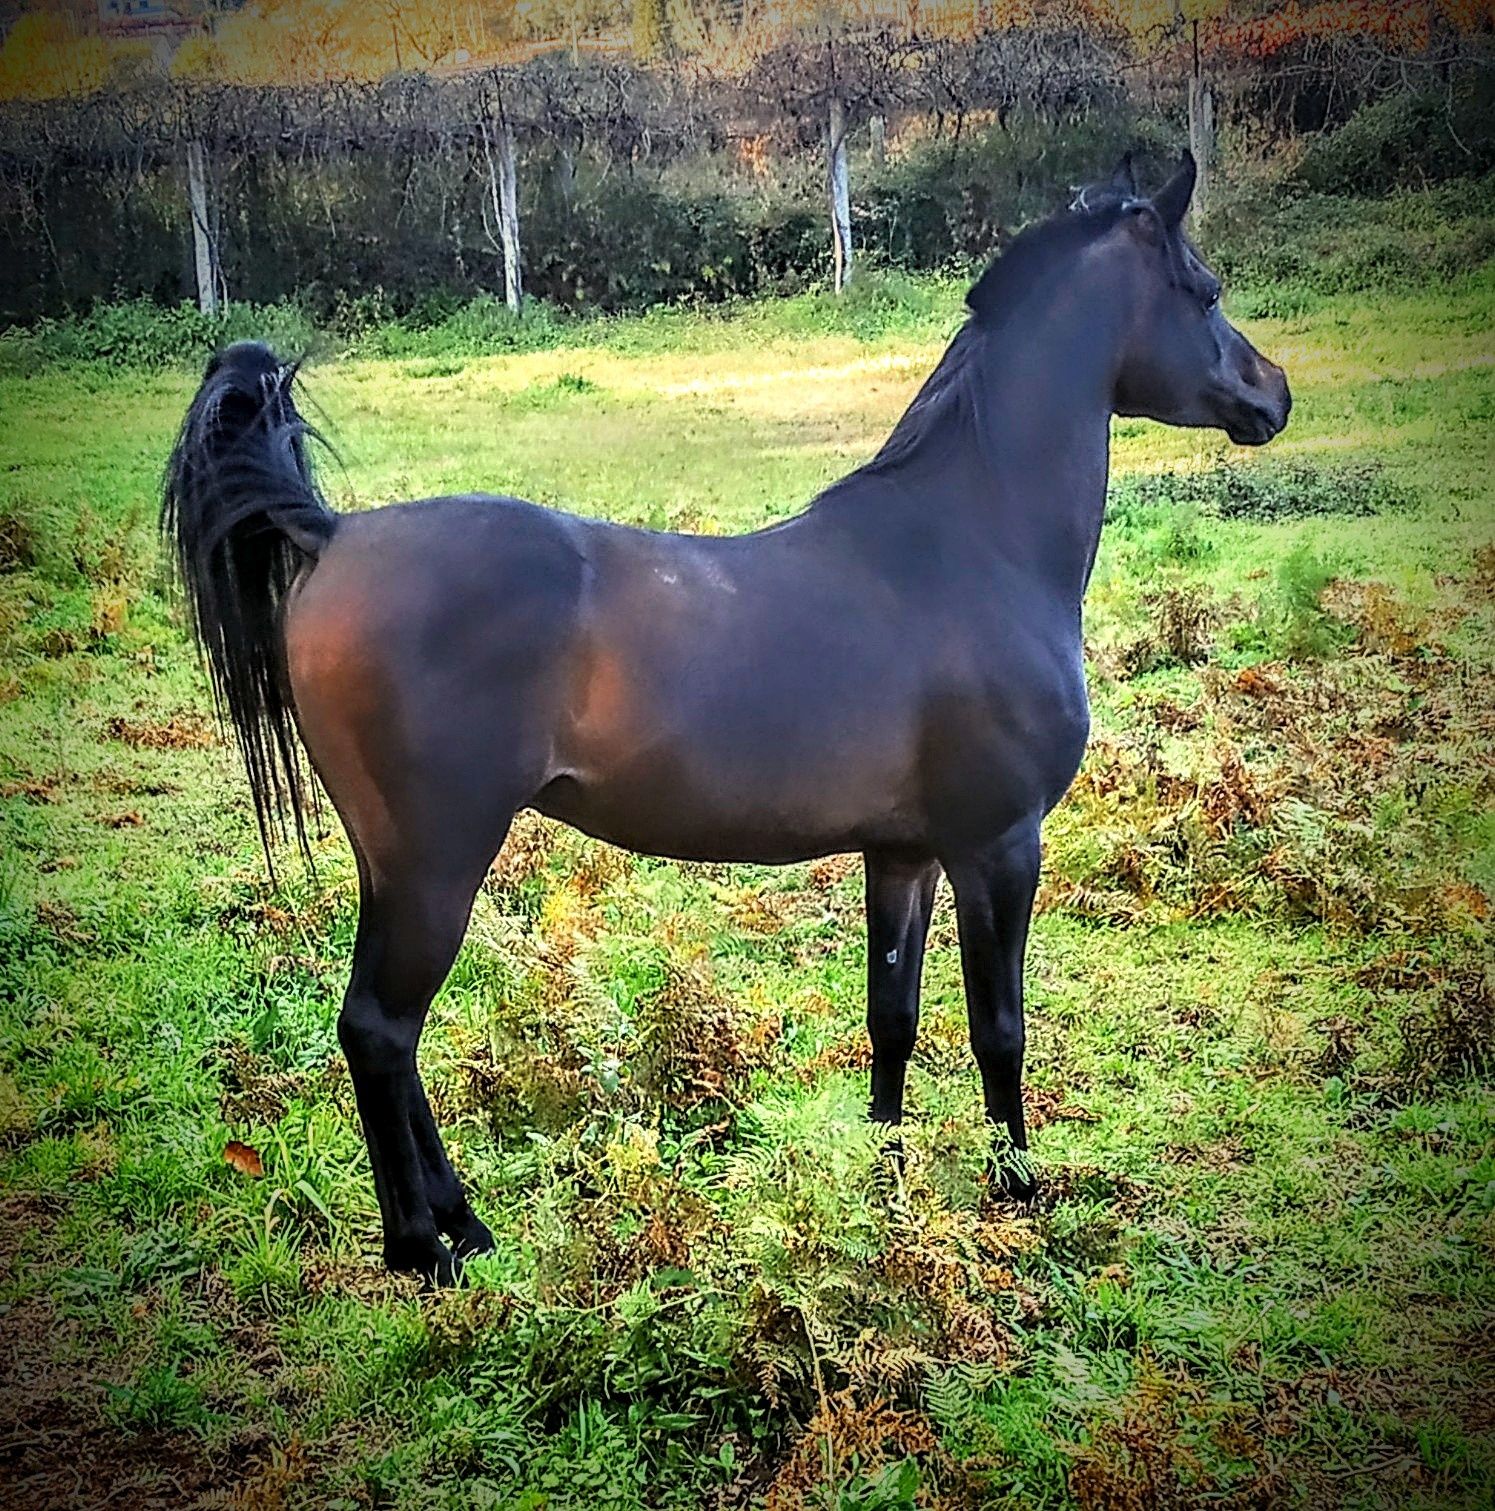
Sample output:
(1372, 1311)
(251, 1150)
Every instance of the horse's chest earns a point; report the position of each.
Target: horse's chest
(1011, 740)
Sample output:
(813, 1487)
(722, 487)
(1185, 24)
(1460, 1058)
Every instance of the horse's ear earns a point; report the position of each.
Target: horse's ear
(1172, 200)
(1119, 188)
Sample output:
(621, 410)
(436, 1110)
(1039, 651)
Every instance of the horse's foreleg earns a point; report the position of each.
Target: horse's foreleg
(993, 903)
(408, 936)
(900, 897)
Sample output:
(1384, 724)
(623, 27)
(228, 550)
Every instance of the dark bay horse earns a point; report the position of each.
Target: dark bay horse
(896, 671)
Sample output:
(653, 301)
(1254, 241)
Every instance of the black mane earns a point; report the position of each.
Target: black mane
(1007, 282)
(944, 390)
(242, 514)
(1016, 271)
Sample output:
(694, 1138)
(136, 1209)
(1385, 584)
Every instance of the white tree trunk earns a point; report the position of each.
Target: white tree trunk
(508, 217)
(840, 193)
(878, 130)
(204, 255)
(503, 185)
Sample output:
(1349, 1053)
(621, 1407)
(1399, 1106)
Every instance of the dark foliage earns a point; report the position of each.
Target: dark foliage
(1406, 140)
(1263, 492)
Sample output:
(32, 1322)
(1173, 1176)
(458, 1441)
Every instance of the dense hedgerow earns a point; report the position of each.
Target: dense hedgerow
(140, 334)
(704, 232)
(1281, 253)
(1408, 139)
(1279, 257)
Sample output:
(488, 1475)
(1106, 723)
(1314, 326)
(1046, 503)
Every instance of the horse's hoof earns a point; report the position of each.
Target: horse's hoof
(470, 1235)
(1012, 1174)
(1018, 1186)
(426, 1257)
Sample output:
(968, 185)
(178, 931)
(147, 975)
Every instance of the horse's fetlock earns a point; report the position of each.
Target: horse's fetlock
(893, 1039)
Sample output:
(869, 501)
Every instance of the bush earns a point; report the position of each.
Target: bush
(1279, 253)
(139, 333)
(1406, 140)
(955, 202)
(1262, 491)
(471, 328)
(629, 244)
(1301, 628)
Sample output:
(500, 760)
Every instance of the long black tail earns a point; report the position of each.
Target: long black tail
(242, 514)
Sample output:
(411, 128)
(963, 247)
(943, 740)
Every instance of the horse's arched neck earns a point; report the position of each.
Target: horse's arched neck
(1040, 415)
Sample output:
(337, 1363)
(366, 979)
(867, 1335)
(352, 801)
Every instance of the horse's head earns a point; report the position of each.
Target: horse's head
(1183, 362)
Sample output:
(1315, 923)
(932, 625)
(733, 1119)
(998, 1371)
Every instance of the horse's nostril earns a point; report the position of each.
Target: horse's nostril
(1282, 404)
(1273, 419)
(1268, 397)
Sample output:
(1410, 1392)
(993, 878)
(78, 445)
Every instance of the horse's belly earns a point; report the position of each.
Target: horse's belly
(753, 807)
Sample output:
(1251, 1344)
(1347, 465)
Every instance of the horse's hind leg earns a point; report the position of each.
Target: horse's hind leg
(410, 926)
(467, 1233)
(426, 676)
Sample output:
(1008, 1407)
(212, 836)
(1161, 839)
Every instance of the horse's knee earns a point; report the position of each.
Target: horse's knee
(373, 1038)
(999, 1045)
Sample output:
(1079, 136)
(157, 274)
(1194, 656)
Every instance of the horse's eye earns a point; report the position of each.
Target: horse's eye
(1211, 299)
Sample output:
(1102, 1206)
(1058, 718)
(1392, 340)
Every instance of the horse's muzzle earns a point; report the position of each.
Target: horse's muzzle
(1257, 409)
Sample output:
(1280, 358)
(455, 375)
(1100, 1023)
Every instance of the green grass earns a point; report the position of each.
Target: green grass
(1260, 1013)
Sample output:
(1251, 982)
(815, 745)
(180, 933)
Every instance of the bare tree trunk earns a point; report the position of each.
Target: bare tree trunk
(565, 171)
(503, 186)
(508, 217)
(840, 192)
(878, 127)
(1201, 132)
(204, 252)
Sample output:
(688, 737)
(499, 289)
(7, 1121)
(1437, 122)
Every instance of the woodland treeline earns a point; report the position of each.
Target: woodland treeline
(614, 174)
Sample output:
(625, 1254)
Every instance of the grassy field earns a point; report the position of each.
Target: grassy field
(1260, 1003)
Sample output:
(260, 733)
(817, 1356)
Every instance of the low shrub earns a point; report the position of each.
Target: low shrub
(138, 333)
(1348, 789)
(1297, 624)
(458, 328)
(1260, 491)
